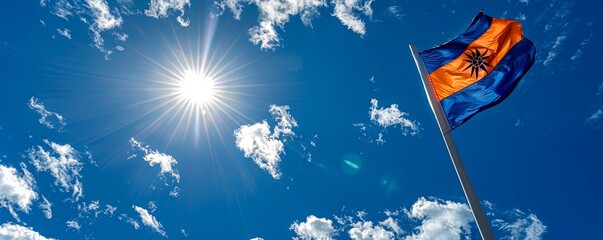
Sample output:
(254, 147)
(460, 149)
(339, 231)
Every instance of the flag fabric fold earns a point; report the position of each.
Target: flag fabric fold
(479, 68)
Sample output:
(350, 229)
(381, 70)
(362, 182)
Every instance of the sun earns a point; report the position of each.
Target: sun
(196, 88)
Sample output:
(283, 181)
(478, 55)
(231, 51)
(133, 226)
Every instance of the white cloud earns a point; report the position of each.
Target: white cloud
(257, 238)
(160, 8)
(436, 219)
(46, 207)
(380, 139)
(9, 231)
(125, 6)
(395, 12)
(149, 220)
(129, 220)
(523, 1)
(521, 17)
(152, 156)
(391, 224)
(64, 8)
(62, 163)
(73, 224)
(440, 220)
(391, 116)
(258, 143)
(233, 5)
(121, 36)
(553, 52)
(521, 226)
(285, 121)
(50, 119)
(94, 207)
(264, 147)
(557, 27)
(276, 13)
(364, 230)
(16, 189)
(103, 19)
(64, 32)
(175, 192)
(314, 229)
(152, 206)
(96, 14)
(344, 11)
(109, 210)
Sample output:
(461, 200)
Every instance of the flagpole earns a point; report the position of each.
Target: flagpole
(478, 214)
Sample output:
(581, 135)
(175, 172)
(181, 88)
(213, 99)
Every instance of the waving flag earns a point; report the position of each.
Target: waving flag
(479, 68)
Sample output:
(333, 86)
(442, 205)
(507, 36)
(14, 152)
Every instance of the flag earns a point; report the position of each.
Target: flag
(479, 68)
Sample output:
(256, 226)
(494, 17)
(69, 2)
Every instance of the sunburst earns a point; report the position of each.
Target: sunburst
(196, 88)
(476, 62)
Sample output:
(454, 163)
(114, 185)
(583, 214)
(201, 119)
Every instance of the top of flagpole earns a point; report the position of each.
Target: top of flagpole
(429, 91)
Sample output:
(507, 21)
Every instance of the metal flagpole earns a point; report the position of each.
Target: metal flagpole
(478, 213)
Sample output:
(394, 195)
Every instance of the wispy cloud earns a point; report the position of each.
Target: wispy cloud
(92, 210)
(557, 26)
(63, 163)
(580, 51)
(149, 220)
(274, 14)
(103, 18)
(346, 11)
(285, 121)
(122, 37)
(160, 8)
(314, 228)
(11, 231)
(73, 224)
(64, 32)
(554, 50)
(131, 221)
(392, 116)
(395, 11)
(516, 224)
(50, 119)
(596, 116)
(264, 147)
(166, 162)
(96, 14)
(383, 118)
(46, 207)
(125, 7)
(16, 190)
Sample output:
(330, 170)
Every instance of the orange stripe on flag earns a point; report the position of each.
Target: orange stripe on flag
(456, 75)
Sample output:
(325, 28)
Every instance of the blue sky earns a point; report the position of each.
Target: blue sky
(317, 126)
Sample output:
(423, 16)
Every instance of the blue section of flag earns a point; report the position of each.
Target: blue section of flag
(445, 53)
(493, 88)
